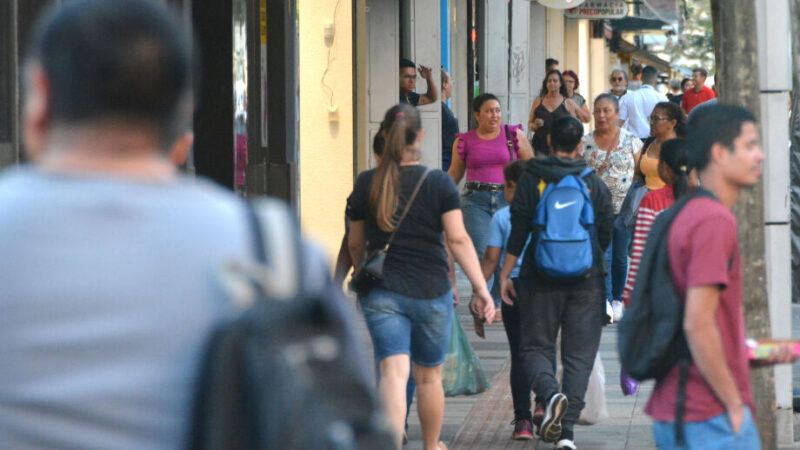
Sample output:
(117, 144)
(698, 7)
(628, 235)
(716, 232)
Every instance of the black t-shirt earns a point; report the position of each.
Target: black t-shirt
(416, 264)
(449, 130)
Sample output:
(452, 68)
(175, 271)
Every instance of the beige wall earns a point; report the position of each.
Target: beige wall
(576, 55)
(600, 68)
(555, 35)
(326, 148)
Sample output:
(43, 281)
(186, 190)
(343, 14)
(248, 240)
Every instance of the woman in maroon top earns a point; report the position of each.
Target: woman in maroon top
(552, 103)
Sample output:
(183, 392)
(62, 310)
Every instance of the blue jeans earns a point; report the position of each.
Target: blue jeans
(416, 327)
(617, 262)
(478, 208)
(714, 433)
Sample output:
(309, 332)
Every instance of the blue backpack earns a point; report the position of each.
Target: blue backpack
(564, 221)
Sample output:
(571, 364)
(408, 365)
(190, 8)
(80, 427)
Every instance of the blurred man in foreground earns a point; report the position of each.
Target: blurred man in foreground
(108, 254)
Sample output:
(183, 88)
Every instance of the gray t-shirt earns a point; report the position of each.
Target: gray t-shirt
(109, 293)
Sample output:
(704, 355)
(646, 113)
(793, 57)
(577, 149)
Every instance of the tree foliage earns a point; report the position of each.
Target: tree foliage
(694, 46)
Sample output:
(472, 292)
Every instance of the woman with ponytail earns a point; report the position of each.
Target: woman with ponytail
(409, 313)
(674, 170)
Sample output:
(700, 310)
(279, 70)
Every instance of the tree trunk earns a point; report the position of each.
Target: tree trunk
(736, 50)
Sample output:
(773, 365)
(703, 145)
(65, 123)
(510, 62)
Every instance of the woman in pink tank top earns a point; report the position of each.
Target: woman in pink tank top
(482, 153)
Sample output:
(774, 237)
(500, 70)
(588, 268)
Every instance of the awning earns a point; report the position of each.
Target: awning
(666, 10)
(644, 56)
(636, 24)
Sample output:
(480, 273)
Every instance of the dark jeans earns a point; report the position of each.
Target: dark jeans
(575, 310)
(520, 388)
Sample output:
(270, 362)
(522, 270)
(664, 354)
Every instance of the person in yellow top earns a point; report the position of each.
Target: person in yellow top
(667, 121)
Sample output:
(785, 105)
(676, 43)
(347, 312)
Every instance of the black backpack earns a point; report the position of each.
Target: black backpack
(651, 341)
(287, 371)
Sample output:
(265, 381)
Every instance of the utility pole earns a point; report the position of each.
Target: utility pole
(736, 51)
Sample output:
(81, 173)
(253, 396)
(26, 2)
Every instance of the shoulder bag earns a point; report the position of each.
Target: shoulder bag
(509, 144)
(370, 273)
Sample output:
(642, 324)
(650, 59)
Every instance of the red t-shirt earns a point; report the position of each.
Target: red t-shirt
(703, 251)
(692, 98)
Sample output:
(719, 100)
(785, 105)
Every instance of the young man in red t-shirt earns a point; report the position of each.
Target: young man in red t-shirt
(706, 269)
(701, 93)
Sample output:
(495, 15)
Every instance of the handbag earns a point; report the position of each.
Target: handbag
(370, 273)
(630, 206)
(509, 144)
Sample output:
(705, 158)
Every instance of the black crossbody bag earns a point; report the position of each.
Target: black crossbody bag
(370, 273)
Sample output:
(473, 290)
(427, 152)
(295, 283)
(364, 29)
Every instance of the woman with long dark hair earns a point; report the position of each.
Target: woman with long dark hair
(409, 312)
(552, 103)
(674, 169)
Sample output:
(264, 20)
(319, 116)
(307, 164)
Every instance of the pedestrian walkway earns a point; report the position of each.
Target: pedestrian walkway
(483, 421)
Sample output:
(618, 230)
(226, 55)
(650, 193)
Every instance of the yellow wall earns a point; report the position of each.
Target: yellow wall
(326, 148)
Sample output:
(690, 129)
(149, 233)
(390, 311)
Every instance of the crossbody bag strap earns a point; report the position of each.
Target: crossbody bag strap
(408, 207)
(608, 156)
(509, 144)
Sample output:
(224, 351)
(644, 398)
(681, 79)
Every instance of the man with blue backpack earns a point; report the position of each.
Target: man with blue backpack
(566, 209)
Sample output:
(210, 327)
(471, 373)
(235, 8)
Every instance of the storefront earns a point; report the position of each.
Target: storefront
(233, 144)
(246, 118)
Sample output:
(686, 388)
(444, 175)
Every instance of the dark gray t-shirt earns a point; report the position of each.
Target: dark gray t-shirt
(109, 293)
(416, 264)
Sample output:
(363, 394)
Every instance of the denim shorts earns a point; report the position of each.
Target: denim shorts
(411, 326)
(714, 433)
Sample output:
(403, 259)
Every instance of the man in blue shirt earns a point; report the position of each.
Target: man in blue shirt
(110, 257)
(408, 82)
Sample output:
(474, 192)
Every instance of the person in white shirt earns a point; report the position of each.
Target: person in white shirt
(635, 107)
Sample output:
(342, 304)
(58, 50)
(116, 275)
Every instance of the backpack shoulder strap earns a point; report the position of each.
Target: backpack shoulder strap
(278, 247)
(585, 172)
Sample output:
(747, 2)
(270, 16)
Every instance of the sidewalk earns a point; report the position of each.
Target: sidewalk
(483, 421)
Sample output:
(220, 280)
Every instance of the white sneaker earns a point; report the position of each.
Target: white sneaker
(618, 307)
(609, 318)
(565, 444)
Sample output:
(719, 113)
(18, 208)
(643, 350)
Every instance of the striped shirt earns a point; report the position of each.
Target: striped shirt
(651, 206)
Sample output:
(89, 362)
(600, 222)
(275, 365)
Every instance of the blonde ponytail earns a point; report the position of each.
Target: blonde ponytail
(401, 125)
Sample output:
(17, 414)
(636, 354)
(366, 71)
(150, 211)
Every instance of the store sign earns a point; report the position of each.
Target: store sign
(560, 4)
(599, 9)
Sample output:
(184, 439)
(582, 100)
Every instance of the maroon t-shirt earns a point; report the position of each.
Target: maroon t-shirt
(703, 251)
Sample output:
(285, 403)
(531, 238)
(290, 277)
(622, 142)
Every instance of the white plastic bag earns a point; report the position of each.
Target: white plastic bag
(595, 410)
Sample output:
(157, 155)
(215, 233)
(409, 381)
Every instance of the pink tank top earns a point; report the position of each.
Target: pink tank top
(485, 158)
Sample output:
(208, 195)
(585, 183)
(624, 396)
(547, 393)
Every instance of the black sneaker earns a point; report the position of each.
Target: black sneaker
(553, 413)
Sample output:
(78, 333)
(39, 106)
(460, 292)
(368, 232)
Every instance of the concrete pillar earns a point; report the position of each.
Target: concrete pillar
(571, 45)
(576, 55)
(377, 71)
(519, 68)
(493, 50)
(421, 43)
(599, 64)
(459, 33)
(774, 41)
(537, 42)
(555, 34)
